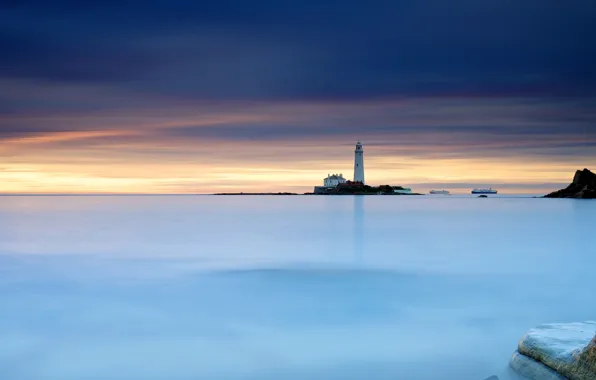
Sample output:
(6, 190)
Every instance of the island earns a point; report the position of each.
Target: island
(582, 187)
(256, 194)
(358, 188)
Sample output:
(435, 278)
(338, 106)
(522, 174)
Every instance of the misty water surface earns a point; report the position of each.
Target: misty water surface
(206, 287)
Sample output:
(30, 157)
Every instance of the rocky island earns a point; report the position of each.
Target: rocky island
(583, 187)
(358, 188)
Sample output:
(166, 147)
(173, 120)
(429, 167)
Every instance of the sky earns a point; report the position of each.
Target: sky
(185, 96)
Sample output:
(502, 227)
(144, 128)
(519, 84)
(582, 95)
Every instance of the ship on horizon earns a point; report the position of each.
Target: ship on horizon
(439, 192)
(484, 191)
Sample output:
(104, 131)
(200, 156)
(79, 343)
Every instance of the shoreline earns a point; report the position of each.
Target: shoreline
(242, 193)
(328, 194)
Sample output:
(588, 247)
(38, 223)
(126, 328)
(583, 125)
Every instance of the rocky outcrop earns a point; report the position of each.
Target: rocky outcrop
(532, 369)
(585, 367)
(583, 186)
(558, 351)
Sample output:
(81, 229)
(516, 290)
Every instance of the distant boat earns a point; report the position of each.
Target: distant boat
(484, 191)
(440, 192)
(402, 190)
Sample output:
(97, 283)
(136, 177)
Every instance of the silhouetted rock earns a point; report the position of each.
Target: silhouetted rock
(583, 186)
(492, 378)
(483, 196)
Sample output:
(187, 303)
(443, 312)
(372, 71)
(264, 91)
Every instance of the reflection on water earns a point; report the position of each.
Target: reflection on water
(359, 229)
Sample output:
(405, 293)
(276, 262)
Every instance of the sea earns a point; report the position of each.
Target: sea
(285, 287)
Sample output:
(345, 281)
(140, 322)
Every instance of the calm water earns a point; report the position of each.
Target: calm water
(205, 287)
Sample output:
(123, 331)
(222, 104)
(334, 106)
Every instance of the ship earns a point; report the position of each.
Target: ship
(484, 191)
(440, 192)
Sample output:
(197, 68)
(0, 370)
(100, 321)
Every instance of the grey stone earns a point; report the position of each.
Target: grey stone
(532, 369)
(567, 349)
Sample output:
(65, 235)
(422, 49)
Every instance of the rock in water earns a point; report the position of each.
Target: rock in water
(568, 349)
(583, 186)
(493, 377)
(532, 369)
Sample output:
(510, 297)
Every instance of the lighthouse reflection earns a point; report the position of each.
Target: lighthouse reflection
(358, 230)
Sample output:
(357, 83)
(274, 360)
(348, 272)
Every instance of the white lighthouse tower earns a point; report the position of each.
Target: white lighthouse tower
(359, 163)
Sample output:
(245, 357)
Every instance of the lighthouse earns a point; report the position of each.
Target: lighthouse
(359, 163)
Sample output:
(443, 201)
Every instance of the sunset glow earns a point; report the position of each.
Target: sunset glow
(205, 101)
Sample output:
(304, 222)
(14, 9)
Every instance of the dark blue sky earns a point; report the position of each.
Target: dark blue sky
(306, 49)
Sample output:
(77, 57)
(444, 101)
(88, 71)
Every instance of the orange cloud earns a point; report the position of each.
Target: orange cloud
(286, 146)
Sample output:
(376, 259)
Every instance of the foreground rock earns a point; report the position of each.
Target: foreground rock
(558, 351)
(532, 369)
(583, 186)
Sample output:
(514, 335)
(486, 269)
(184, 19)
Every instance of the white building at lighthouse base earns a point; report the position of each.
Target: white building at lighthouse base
(333, 180)
(329, 183)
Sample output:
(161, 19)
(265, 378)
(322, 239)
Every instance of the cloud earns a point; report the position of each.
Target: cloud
(447, 127)
(306, 49)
